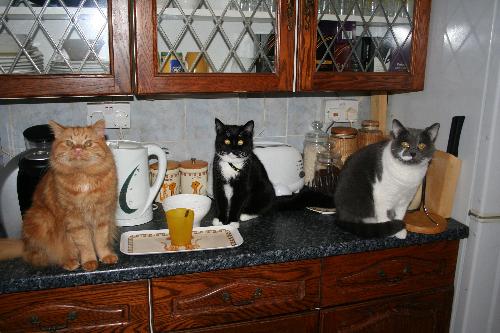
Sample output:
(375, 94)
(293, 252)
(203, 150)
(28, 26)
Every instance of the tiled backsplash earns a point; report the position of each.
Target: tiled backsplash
(184, 126)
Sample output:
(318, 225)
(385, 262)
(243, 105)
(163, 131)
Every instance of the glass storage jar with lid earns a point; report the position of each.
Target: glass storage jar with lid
(326, 171)
(344, 141)
(314, 143)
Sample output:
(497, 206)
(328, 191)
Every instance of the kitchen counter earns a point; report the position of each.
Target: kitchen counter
(278, 237)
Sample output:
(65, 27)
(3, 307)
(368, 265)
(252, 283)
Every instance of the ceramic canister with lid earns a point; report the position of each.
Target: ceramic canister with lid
(171, 182)
(369, 133)
(344, 141)
(314, 143)
(194, 176)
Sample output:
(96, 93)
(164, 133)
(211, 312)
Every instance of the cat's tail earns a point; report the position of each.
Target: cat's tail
(10, 248)
(372, 230)
(303, 199)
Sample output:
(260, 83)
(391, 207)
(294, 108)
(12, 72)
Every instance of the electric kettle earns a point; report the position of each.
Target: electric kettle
(20, 176)
(135, 195)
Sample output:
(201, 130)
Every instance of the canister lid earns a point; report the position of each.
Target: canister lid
(171, 165)
(344, 132)
(193, 164)
(370, 124)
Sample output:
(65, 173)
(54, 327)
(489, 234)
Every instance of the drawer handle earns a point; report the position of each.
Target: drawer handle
(407, 270)
(36, 322)
(289, 14)
(226, 297)
(381, 273)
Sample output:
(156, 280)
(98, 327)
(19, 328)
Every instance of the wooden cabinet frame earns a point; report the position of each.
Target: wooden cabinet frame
(150, 82)
(309, 80)
(118, 82)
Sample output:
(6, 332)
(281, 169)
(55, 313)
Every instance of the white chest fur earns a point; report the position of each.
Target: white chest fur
(228, 172)
(398, 185)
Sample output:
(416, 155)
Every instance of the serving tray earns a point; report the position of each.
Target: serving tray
(158, 241)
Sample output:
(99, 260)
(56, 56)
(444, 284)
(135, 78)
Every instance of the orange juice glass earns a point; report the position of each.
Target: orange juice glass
(180, 226)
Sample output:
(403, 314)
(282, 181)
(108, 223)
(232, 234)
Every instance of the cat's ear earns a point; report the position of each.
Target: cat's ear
(248, 127)
(218, 125)
(432, 131)
(99, 127)
(397, 128)
(56, 128)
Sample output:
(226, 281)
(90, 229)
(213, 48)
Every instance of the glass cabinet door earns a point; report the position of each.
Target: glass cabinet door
(65, 40)
(228, 45)
(365, 44)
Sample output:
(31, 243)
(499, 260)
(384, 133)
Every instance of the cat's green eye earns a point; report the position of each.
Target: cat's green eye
(240, 142)
(87, 143)
(227, 142)
(69, 143)
(405, 145)
(421, 146)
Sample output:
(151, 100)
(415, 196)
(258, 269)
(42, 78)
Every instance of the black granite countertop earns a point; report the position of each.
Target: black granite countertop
(278, 237)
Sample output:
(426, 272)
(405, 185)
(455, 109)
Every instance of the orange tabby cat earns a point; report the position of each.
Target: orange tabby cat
(72, 219)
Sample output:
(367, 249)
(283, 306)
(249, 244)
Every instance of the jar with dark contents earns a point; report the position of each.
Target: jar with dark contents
(326, 173)
(343, 141)
(369, 133)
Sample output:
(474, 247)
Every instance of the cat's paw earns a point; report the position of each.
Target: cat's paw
(401, 234)
(246, 217)
(110, 259)
(216, 222)
(71, 265)
(235, 224)
(90, 265)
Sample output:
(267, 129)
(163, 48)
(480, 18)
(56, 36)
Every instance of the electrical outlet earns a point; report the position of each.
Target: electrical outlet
(116, 115)
(341, 110)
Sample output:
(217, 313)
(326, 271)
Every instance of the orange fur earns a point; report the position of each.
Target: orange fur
(72, 219)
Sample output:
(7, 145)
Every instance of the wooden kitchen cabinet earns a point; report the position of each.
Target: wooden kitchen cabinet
(397, 34)
(45, 35)
(106, 308)
(238, 295)
(243, 28)
(403, 29)
(365, 276)
(428, 312)
(408, 289)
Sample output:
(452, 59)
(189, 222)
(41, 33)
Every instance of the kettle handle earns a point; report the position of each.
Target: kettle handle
(162, 169)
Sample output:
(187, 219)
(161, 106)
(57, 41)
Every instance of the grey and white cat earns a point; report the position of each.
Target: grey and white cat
(378, 182)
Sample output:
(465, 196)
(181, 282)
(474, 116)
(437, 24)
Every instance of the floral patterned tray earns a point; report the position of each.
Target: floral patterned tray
(158, 241)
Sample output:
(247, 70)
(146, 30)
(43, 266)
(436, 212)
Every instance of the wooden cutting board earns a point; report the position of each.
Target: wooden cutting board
(442, 179)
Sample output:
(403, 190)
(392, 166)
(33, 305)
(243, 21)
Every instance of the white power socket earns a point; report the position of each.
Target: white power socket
(341, 110)
(116, 115)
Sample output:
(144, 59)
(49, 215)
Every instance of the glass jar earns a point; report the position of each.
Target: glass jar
(326, 171)
(344, 141)
(369, 133)
(314, 143)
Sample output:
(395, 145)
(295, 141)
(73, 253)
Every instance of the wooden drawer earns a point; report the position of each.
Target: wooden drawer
(100, 308)
(299, 323)
(357, 277)
(206, 299)
(428, 312)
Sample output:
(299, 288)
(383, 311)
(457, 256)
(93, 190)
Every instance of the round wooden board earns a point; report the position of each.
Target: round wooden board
(418, 222)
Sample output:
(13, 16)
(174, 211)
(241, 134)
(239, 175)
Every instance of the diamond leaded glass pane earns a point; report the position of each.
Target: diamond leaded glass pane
(364, 35)
(54, 37)
(216, 36)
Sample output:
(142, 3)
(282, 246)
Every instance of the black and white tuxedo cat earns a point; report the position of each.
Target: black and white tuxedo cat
(378, 182)
(241, 187)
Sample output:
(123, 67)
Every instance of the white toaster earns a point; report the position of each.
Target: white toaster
(284, 166)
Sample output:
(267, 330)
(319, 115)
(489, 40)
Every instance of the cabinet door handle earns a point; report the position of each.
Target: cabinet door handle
(308, 10)
(35, 321)
(289, 14)
(226, 297)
